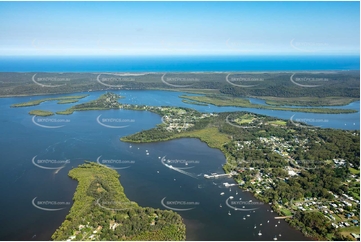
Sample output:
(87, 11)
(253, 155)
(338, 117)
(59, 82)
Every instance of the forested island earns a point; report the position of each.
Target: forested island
(101, 211)
(226, 100)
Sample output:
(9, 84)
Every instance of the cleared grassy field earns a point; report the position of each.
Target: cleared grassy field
(354, 171)
(211, 136)
(286, 212)
(348, 230)
(278, 122)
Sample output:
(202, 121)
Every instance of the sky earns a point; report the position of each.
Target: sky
(179, 28)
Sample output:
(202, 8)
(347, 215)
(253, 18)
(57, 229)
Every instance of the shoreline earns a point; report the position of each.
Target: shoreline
(189, 98)
(225, 172)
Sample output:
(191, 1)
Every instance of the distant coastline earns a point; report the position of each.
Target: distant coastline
(179, 63)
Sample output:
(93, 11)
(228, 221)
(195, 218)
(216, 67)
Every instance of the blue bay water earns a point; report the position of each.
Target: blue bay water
(147, 181)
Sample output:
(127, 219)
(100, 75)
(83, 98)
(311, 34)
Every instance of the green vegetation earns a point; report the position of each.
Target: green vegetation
(101, 211)
(68, 101)
(104, 102)
(278, 122)
(312, 224)
(309, 101)
(224, 100)
(60, 99)
(41, 113)
(279, 161)
(262, 150)
(285, 212)
(211, 136)
(354, 171)
(194, 102)
(276, 88)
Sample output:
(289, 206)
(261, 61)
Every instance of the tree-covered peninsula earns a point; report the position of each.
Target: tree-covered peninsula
(101, 211)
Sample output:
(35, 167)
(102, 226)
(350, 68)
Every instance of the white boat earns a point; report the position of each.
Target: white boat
(130, 146)
(147, 153)
(236, 193)
(230, 189)
(244, 218)
(275, 238)
(250, 201)
(279, 222)
(255, 226)
(279, 235)
(267, 221)
(229, 212)
(260, 224)
(231, 197)
(240, 198)
(220, 205)
(275, 225)
(222, 193)
(248, 215)
(259, 233)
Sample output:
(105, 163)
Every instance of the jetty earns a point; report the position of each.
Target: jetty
(283, 217)
(215, 175)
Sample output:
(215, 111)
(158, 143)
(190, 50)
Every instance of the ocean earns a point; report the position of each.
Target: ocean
(177, 63)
